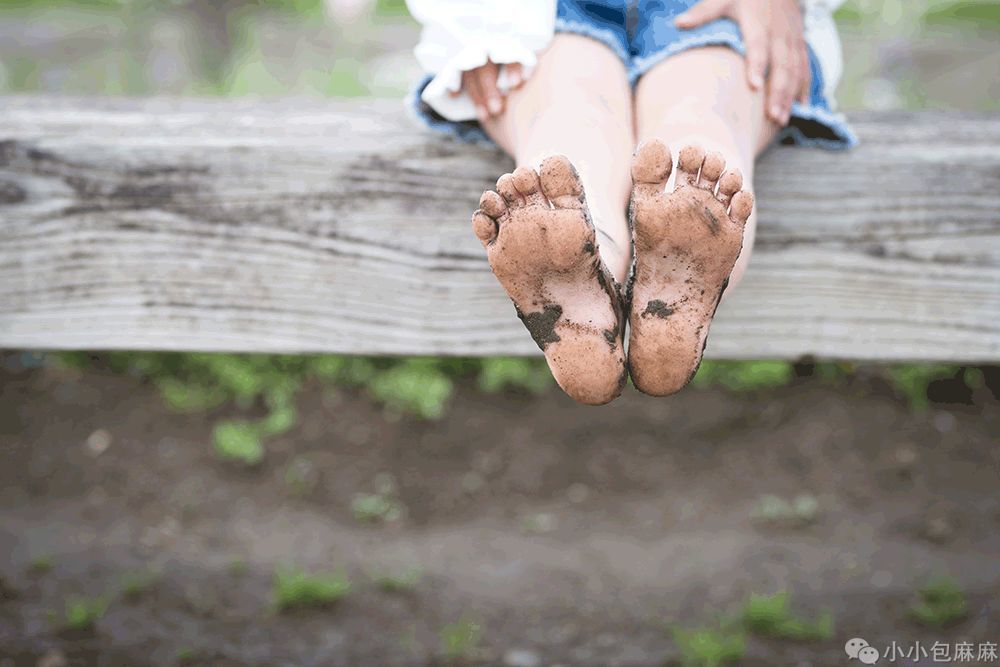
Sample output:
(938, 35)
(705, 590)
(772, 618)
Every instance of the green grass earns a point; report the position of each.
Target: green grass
(775, 510)
(529, 375)
(912, 381)
(134, 585)
(849, 12)
(376, 508)
(238, 441)
(390, 8)
(709, 647)
(460, 640)
(416, 386)
(296, 589)
(978, 14)
(237, 567)
(421, 387)
(771, 616)
(939, 604)
(42, 564)
(83, 613)
(539, 523)
(743, 375)
(403, 581)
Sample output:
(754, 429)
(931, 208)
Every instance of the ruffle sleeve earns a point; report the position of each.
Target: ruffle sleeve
(461, 35)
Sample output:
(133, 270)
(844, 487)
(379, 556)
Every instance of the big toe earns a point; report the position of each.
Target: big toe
(560, 182)
(651, 166)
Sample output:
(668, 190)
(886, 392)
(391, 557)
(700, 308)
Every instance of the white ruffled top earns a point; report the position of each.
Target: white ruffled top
(461, 35)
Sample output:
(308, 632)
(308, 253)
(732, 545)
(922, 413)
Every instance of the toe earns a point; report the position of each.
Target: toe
(651, 162)
(485, 227)
(526, 182)
(493, 205)
(729, 185)
(651, 167)
(688, 164)
(741, 207)
(711, 169)
(505, 186)
(560, 182)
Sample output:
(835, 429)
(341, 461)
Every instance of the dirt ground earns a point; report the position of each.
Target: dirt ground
(572, 535)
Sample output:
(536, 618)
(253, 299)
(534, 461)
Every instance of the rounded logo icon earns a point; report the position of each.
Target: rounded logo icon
(868, 655)
(854, 646)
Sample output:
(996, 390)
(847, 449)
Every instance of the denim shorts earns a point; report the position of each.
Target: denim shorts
(642, 33)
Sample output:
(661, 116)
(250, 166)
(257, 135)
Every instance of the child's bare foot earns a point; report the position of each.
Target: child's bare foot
(686, 243)
(543, 250)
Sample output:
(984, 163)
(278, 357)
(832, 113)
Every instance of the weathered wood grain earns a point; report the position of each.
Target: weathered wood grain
(321, 226)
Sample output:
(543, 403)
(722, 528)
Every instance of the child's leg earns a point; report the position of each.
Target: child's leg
(702, 97)
(539, 228)
(578, 103)
(695, 239)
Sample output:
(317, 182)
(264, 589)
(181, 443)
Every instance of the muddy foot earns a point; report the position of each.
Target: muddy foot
(541, 245)
(686, 243)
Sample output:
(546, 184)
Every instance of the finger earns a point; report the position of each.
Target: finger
(755, 40)
(703, 12)
(515, 75)
(782, 84)
(491, 93)
(475, 91)
(806, 77)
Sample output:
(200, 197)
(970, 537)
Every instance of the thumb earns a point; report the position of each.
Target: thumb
(703, 12)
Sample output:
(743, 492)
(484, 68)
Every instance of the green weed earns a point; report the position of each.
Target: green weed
(460, 640)
(237, 567)
(42, 564)
(133, 585)
(389, 8)
(980, 14)
(849, 13)
(398, 582)
(939, 604)
(415, 386)
(376, 508)
(912, 380)
(743, 375)
(82, 613)
(499, 373)
(707, 647)
(771, 616)
(539, 523)
(189, 397)
(380, 507)
(775, 510)
(295, 588)
(238, 441)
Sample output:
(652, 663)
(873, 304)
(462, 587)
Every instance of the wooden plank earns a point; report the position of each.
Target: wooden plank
(306, 226)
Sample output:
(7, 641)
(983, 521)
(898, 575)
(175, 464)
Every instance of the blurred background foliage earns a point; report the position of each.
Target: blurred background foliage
(900, 55)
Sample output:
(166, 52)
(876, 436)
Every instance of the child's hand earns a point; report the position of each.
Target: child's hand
(481, 84)
(773, 34)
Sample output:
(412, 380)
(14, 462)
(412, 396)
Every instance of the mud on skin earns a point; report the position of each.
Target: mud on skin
(543, 250)
(686, 244)
(542, 326)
